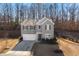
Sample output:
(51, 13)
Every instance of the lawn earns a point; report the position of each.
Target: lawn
(7, 44)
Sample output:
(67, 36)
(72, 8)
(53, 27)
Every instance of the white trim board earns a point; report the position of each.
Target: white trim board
(48, 20)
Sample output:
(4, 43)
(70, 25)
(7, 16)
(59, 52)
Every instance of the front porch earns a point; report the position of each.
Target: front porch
(46, 40)
(44, 37)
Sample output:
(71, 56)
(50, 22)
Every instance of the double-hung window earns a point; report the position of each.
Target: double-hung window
(39, 26)
(26, 28)
(47, 27)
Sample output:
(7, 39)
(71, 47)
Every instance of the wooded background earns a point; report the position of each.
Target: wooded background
(65, 16)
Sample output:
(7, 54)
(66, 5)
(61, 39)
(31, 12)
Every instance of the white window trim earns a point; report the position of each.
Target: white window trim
(47, 27)
(48, 20)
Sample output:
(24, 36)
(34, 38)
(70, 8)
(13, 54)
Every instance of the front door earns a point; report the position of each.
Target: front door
(39, 37)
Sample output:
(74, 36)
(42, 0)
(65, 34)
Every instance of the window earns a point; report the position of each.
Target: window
(23, 27)
(39, 27)
(34, 27)
(49, 27)
(31, 27)
(26, 27)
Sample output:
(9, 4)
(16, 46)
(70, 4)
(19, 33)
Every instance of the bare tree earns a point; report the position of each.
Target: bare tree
(72, 11)
(17, 13)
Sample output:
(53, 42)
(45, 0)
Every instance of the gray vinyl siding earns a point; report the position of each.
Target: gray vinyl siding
(44, 31)
(37, 28)
(21, 30)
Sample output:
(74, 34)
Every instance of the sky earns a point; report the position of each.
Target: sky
(46, 5)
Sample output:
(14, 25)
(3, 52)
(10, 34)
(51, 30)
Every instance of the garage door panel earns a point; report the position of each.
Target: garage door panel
(29, 36)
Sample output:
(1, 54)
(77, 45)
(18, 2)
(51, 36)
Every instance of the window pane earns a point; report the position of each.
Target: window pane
(47, 27)
(26, 27)
(50, 27)
(31, 27)
(23, 27)
(34, 27)
(39, 27)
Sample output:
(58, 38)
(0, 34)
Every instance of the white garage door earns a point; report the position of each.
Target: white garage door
(29, 37)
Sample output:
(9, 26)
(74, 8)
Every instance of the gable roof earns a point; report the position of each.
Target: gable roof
(32, 22)
(29, 22)
(43, 20)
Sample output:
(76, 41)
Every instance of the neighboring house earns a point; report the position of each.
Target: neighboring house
(37, 30)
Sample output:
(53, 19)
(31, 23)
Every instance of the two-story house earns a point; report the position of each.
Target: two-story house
(37, 30)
